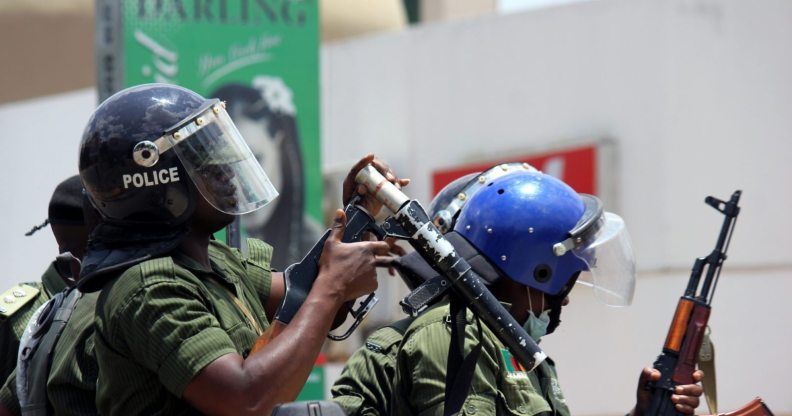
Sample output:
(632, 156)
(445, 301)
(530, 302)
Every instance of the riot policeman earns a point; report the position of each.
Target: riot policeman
(365, 385)
(529, 236)
(179, 312)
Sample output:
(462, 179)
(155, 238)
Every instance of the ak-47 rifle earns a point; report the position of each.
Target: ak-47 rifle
(677, 362)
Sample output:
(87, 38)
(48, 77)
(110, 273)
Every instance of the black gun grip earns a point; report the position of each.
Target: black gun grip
(299, 277)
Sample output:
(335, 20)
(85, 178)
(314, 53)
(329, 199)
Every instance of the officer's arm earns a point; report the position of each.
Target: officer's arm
(365, 385)
(235, 386)
(276, 373)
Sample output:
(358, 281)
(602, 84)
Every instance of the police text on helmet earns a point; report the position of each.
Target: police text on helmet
(151, 178)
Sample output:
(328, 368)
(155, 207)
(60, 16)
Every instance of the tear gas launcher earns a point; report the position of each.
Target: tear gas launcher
(410, 222)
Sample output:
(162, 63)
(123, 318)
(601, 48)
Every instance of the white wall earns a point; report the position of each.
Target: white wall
(40, 148)
(698, 96)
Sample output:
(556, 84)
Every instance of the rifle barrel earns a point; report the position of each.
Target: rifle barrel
(714, 261)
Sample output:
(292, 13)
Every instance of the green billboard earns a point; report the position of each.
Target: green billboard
(262, 58)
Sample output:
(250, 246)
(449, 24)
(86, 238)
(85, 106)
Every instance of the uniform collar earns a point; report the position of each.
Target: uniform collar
(216, 267)
(52, 280)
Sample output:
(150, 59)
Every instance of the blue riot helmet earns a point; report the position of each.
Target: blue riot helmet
(446, 205)
(444, 210)
(441, 207)
(540, 233)
(146, 149)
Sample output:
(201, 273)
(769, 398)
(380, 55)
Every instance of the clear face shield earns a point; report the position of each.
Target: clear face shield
(602, 242)
(217, 159)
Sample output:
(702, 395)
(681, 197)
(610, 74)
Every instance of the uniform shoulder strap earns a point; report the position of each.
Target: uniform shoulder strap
(13, 299)
(259, 258)
(383, 339)
(165, 265)
(259, 252)
(401, 325)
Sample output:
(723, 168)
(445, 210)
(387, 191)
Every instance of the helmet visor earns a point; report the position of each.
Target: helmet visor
(221, 164)
(611, 265)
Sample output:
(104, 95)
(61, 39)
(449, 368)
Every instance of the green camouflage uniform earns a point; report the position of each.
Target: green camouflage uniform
(162, 321)
(71, 385)
(14, 320)
(499, 385)
(366, 383)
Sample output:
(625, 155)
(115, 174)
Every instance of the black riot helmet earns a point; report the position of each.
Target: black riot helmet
(147, 148)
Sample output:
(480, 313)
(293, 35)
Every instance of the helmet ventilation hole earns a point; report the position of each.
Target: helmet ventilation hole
(542, 273)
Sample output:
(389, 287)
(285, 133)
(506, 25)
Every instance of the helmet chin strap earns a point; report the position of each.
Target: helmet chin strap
(556, 303)
(530, 302)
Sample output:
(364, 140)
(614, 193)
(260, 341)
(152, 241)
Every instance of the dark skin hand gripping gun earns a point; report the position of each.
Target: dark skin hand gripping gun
(677, 362)
(299, 277)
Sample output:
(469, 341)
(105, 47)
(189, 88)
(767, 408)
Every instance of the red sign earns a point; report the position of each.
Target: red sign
(576, 166)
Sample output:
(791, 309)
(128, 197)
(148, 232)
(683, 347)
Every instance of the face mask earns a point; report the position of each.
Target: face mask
(535, 326)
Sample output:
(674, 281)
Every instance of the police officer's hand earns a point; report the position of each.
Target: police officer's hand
(349, 269)
(685, 397)
(396, 251)
(351, 188)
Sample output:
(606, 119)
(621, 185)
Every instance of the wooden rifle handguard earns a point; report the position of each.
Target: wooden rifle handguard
(755, 407)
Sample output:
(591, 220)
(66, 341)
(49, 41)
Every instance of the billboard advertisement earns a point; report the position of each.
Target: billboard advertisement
(262, 58)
